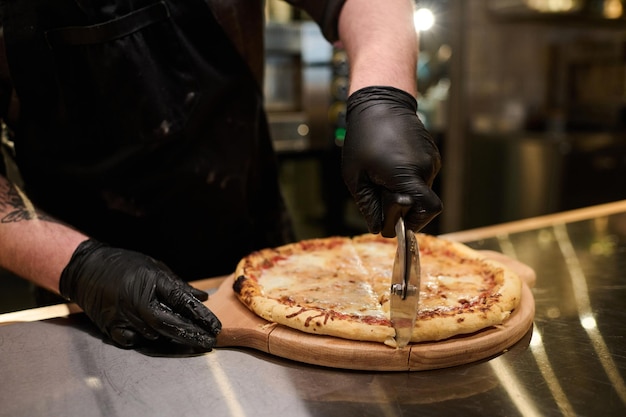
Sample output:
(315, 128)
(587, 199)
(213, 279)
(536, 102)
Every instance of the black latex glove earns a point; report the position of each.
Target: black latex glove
(387, 153)
(133, 298)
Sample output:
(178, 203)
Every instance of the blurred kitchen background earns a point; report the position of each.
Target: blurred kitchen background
(525, 98)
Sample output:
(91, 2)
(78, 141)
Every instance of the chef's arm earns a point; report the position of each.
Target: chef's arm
(131, 297)
(388, 155)
(378, 35)
(32, 245)
(381, 42)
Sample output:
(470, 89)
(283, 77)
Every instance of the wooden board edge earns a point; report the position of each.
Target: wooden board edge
(335, 352)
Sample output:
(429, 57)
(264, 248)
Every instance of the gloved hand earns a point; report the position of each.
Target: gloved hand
(133, 298)
(387, 151)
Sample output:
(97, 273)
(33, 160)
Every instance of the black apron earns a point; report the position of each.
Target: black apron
(141, 126)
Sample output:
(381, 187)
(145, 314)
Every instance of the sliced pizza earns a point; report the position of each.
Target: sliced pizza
(339, 286)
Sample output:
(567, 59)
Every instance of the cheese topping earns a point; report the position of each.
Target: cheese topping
(448, 283)
(326, 279)
(333, 278)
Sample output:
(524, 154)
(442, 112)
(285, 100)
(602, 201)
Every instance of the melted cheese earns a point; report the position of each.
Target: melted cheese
(446, 282)
(327, 279)
(355, 279)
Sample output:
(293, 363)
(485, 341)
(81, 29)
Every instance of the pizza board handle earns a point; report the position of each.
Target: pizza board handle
(240, 326)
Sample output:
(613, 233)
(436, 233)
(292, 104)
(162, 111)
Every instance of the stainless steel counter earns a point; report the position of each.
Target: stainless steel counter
(572, 362)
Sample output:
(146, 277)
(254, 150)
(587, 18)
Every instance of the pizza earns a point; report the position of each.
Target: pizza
(340, 286)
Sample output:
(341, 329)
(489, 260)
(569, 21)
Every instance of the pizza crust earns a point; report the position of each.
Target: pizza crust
(339, 286)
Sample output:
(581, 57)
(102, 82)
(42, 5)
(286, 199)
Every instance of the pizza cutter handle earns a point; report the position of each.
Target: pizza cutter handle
(395, 205)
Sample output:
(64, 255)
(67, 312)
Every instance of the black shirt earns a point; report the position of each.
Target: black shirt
(141, 123)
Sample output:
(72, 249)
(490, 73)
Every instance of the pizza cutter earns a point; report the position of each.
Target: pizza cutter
(405, 276)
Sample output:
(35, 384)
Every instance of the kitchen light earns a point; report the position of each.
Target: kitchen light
(303, 129)
(613, 9)
(423, 19)
(554, 6)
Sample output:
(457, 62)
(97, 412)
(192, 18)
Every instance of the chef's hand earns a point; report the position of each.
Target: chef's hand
(133, 298)
(386, 151)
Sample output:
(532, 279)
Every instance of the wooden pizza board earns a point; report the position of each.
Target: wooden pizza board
(242, 328)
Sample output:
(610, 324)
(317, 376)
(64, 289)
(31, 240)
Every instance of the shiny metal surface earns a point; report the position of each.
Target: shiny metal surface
(571, 363)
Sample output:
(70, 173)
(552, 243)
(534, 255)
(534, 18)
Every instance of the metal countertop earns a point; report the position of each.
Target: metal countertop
(572, 362)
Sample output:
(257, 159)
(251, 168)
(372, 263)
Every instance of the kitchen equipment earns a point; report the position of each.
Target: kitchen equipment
(296, 86)
(405, 277)
(405, 285)
(242, 328)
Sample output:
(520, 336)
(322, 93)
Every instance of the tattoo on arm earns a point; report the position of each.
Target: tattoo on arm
(15, 206)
